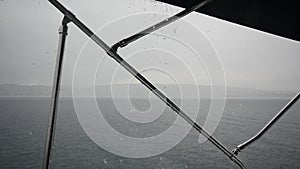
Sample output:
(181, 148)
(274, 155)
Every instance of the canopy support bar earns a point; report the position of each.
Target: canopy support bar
(143, 80)
(242, 146)
(63, 31)
(159, 25)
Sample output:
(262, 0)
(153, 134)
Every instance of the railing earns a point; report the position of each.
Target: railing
(112, 51)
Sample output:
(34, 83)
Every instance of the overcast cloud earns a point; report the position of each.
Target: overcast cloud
(28, 42)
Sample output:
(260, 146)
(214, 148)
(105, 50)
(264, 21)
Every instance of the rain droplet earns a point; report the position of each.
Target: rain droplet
(105, 162)
(132, 110)
(30, 133)
(175, 30)
(160, 158)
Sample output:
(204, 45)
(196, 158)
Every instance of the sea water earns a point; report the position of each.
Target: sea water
(23, 123)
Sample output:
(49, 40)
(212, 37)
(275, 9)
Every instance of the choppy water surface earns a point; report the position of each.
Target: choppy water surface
(23, 124)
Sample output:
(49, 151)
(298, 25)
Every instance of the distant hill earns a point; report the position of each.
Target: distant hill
(139, 91)
(22, 90)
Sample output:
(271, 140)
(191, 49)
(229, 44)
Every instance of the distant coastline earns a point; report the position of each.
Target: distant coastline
(138, 91)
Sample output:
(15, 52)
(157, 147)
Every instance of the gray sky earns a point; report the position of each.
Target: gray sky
(28, 42)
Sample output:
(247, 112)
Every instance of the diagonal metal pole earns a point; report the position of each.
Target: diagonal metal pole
(159, 25)
(242, 146)
(63, 31)
(145, 82)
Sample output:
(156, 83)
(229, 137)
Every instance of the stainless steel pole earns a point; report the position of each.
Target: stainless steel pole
(242, 146)
(63, 31)
(145, 82)
(159, 25)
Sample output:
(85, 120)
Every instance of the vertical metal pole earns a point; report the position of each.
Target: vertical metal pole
(145, 82)
(55, 93)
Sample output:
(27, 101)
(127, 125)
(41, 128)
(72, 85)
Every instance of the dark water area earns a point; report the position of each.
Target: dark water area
(23, 122)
